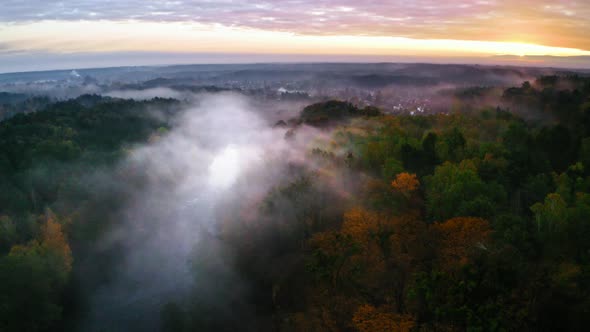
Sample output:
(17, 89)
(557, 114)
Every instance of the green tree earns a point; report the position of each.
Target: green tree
(457, 190)
(8, 233)
(551, 215)
(32, 279)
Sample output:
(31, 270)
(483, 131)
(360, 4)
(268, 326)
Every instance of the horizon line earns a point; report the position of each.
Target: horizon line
(463, 60)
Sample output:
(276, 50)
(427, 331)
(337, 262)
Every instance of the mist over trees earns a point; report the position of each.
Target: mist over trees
(199, 215)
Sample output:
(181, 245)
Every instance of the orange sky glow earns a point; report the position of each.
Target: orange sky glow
(422, 28)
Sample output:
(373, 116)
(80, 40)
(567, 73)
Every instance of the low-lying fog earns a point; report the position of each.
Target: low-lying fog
(220, 152)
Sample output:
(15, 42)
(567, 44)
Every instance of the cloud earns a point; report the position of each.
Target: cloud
(555, 23)
(9, 49)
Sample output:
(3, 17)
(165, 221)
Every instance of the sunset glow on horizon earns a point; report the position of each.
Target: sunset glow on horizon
(427, 28)
(103, 36)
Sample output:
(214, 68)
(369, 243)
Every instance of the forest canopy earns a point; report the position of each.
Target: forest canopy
(455, 221)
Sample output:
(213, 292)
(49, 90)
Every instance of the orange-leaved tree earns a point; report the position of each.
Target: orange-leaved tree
(367, 318)
(54, 240)
(458, 238)
(405, 183)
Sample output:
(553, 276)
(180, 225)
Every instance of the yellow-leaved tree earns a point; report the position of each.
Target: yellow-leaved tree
(54, 240)
(51, 244)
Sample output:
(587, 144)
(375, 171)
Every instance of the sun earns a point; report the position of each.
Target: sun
(225, 167)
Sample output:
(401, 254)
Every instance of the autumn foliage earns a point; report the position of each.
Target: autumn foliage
(405, 183)
(474, 221)
(459, 237)
(52, 243)
(370, 319)
(54, 240)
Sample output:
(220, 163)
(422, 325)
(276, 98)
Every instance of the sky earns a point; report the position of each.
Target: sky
(40, 34)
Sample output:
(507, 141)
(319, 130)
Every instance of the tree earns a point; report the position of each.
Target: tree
(555, 142)
(29, 292)
(7, 233)
(405, 183)
(331, 253)
(391, 168)
(362, 224)
(584, 153)
(408, 251)
(454, 141)
(429, 151)
(369, 232)
(32, 278)
(551, 215)
(173, 318)
(458, 238)
(367, 318)
(457, 190)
